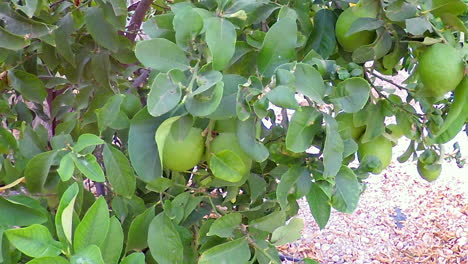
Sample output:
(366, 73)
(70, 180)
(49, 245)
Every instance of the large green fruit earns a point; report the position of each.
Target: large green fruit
(227, 125)
(379, 147)
(182, 155)
(429, 172)
(440, 70)
(229, 141)
(344, 22)
(346, 125)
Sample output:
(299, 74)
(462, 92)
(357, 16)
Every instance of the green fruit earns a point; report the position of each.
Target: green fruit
(346, 125)
(227, 125)
(131, 104)
(429, 172)
(229, 141)
(440, 69)
(182, 155)
(343, 24)
(379, 147)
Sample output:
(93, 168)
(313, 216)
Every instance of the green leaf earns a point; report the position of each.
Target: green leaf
(21, 211)
(333, 148)
(455, 7)
(346, 196)
(165, 94)
(227, 107)
(164, 241)
(64, 215)
(89, 255)
(233, 252)
(269, 222)
(309, 82)
(266, 253)
(93, 228)
(288, 180)
(310, 261)
(29, 7)
(119, 7)
(221, 40)
(34, 241)
(138, 232)
(418, 25)
(62, 39)
(205, 103)
(225, 225)
(119, 172)
(20, 25)
(161, 134)
(67, 167)
(48, 260)
(112, 246)
(109, 112)
(364, 24)
(89, 166)
(37, 170)
(11, 41)
(134, 258)
(303, 127)
(142, 148)
(101, 30)
(322, 39)
(30, 87)
(351, 95)
(288, 233)
(375, 122)
(226, 165)
(246, 133)
(187, 25)
(283, 96)
(319, 205)
(161, 54)
(87, 140)
(278, 47)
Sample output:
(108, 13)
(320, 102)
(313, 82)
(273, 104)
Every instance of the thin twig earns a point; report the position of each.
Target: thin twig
(387, 80)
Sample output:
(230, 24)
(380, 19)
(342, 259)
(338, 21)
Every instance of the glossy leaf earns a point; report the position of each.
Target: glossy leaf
(322, 39)
(287, 182)
(269, 222)
(187, 24)
(11, 41)
(66, 167)
(37, 170)
(164, 241)
(21, 211)
(119, 172)
(309, 82)
(278, 47)
(165, 94)
(302, 129)
(93, 228)
(288, 233)
(347, 190)
(351, 95)
(227, 166)
(109, 112)
(233, 252)
(89, 255)
(112, 246)
(48, 260)
(319, 205)
(87, 140)
(225, 225)
(333, 148)
(221, 39)
(89, 166)
(283, 96)
(142, 148)
(34, 241)
(248, 142)
(161, 54)
(134, 258)
(30, 87)
(138, 232)
(205, 103)
(64, 215)
(101, 30)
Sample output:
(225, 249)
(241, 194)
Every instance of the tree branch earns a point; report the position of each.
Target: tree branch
(137, 19)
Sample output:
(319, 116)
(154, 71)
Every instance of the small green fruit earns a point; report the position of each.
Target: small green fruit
(182, 155)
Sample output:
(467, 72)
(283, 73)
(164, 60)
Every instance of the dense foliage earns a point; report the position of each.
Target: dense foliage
(175, 115)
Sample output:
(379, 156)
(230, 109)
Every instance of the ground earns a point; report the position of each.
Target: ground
(401, 218)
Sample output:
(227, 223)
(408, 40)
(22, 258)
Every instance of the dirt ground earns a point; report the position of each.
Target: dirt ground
(401, 218)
